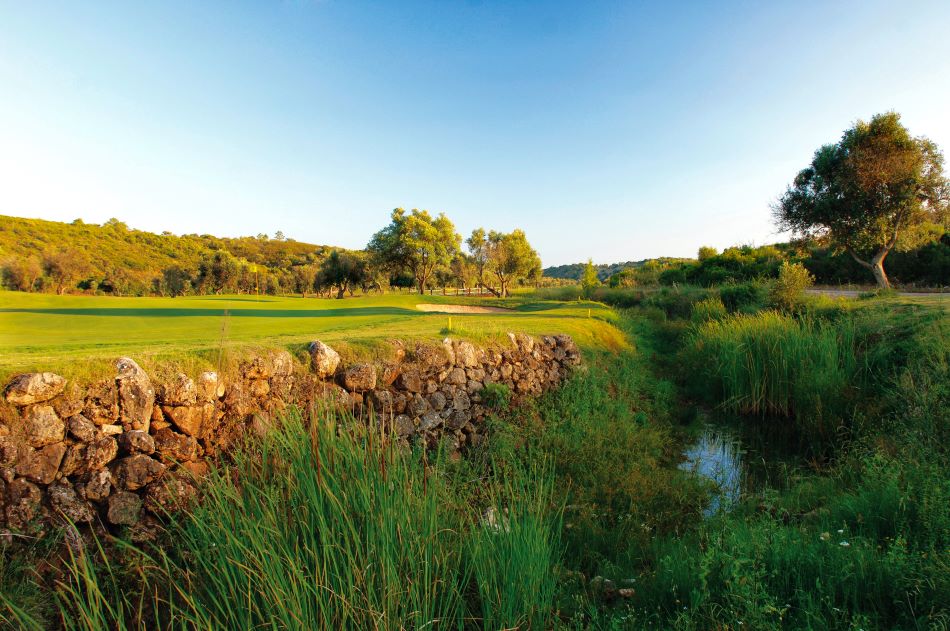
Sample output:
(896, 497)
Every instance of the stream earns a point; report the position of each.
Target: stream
(717, 455)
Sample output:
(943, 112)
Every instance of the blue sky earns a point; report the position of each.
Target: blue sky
(616, 131)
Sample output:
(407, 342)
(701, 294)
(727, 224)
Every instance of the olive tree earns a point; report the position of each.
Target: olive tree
(874, 188)
(415, 242)
(510, 258)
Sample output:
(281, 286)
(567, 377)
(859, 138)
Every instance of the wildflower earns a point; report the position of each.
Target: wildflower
(844, 544)
(825, 536)
(840, 531)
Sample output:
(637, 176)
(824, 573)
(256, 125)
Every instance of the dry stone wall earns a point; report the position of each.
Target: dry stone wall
(122, 451)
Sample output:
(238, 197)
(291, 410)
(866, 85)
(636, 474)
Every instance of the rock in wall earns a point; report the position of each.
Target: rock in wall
(121, 452)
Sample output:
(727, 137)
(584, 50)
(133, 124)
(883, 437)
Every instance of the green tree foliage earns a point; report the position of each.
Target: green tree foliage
(416, 242)
(343, 271)
(464, 270)
(65, 267)
(218, 272)
(511, 258)
(874, 187)
(624, 279)
(479, 249)
(22, 274)
(589, 282)
(706, 252)
(125, 261)
(176, 280)
(304, 278)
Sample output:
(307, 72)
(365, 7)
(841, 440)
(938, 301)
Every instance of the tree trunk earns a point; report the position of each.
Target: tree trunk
(875, 265)
(341, 292)
(877, 268)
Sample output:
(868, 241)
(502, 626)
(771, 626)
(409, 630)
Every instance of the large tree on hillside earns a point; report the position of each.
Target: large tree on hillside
(511, 258)
(876, 187)
(415, 242)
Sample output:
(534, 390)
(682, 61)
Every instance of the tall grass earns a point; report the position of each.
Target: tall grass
(320, 526)
(769, 364)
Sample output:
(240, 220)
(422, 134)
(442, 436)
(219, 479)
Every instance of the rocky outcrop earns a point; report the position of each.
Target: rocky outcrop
(123, 451)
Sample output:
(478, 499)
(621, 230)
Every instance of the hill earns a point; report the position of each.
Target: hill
(574, 271)
(113, 258)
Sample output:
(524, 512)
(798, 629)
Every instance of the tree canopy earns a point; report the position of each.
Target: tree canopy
(874, 188)
(416, 242)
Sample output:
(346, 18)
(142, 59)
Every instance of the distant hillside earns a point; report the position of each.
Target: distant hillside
(574, 271)
(117, 259)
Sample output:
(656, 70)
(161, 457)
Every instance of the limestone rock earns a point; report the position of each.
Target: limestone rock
(136, 441)
(431, 357)
(34, 387)
(210, 387)
(181, 390)
(456, 377)
(381, 401)
(466, 355)
(111, 430)
(23, 503)
(403, 425)
(124, 508)
(101, 452)
(101, 406)
(9, 451)
(330, 395)
(98, 486)
(410, 381)
(74, 461)
(42, 426)
(430, 421)
(323, 359)
(81, 428)
(187, 419)
(41, 465)
(136, 395)
(63, 499)
(175, 447)
(360, 377)
(169, 494)
(133, 472)
(437, 401)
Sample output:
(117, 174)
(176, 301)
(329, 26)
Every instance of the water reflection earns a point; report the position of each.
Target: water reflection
(717, 456)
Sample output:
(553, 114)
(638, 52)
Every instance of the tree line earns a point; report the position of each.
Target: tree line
(416, 250)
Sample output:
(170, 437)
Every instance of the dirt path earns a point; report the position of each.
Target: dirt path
(854, 293)
(460, 309)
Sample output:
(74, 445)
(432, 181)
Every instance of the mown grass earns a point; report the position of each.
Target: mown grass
(79, 334)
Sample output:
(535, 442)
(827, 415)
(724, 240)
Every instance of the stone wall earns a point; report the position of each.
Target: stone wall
(121, 451)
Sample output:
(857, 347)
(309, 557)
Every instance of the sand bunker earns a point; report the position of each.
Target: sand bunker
(460, 309)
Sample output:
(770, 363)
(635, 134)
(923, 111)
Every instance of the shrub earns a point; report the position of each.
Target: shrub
(745, 297)
(709, 309)
(788, 289)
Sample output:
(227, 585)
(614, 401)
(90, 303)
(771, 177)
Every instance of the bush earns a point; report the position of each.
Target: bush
(789, 288)
(709, 309)
(747, 297)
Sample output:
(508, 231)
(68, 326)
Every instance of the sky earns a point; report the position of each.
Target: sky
(607, 130)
